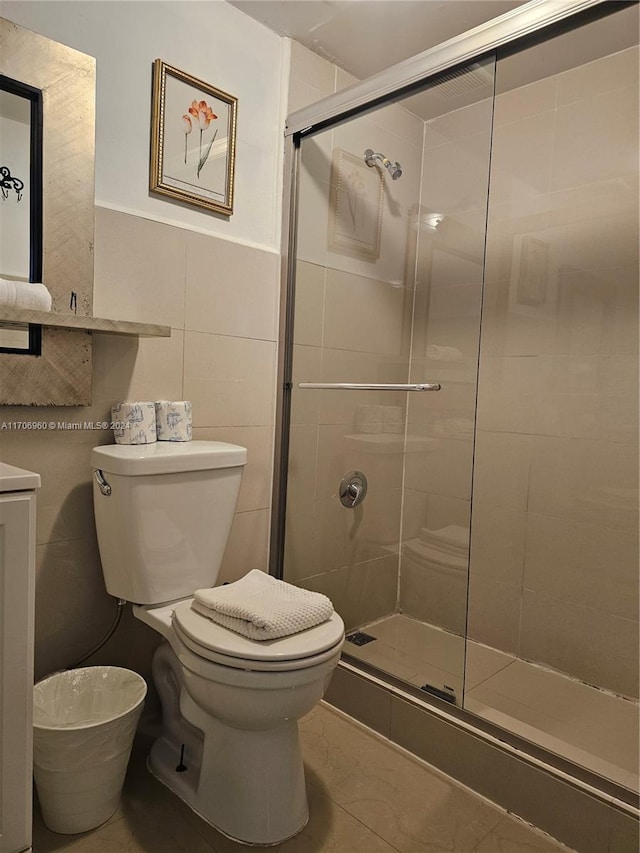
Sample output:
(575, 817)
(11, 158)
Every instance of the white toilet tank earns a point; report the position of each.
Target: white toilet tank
(163, 514)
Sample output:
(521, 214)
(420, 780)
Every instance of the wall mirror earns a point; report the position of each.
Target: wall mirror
(20, 200)
(32, 67)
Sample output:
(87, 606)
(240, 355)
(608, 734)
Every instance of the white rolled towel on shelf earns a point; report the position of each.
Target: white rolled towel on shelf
(263, 608)
(134, 422)
(24, 294)
(173, 420)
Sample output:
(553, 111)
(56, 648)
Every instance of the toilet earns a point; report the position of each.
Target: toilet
(229, 745)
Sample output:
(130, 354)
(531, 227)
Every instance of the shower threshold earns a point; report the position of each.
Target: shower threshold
(590, 727)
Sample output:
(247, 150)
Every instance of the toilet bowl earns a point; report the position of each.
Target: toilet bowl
(229, 745)
(241, 769)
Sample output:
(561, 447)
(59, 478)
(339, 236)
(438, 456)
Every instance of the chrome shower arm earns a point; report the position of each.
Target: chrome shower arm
(371, 156)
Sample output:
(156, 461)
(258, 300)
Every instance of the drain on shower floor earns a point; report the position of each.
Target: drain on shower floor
(359, 638)
(447, 693)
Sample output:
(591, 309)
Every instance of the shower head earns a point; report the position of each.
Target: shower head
(371, 158)
(394, 169)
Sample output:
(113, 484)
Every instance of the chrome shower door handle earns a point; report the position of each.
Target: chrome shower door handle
(369, 386)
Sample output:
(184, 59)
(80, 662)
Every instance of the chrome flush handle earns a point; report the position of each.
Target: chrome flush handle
(104, 487)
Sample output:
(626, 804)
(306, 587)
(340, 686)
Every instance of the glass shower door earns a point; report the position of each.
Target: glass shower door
(553, 604)
(388, 280)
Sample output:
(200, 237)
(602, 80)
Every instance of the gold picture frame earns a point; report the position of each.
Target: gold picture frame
(193, 140)
(356, 203)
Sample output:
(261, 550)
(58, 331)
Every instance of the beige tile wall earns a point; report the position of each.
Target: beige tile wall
(220, 299)
(555, 535)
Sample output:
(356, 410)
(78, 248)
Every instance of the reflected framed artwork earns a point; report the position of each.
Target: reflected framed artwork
(533, 284)
(193, 140)
(355, 218)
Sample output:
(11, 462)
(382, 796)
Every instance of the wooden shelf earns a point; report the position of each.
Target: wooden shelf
(20, 316)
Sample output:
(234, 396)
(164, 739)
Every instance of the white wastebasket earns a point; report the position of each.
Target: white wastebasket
(84, 721)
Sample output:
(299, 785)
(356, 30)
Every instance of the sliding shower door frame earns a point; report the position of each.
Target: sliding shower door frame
(526, 20)
(519, 25)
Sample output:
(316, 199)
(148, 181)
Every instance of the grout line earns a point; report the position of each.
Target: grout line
(324, 792)
(416, 759)
(469, 690)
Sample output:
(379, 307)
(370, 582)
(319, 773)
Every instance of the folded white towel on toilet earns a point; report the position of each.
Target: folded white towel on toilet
(24, 294)
(263, 608)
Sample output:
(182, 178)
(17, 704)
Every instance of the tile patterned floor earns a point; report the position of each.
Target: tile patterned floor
(595, 729)
(366, 796)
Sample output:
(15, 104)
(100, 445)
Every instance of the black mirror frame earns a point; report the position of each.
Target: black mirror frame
(34, 96)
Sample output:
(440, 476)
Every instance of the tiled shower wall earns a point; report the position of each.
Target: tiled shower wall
(554, 556)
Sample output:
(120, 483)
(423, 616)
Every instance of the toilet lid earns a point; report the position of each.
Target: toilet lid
(216, 638)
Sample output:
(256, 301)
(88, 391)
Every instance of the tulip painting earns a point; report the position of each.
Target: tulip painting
(193, 137)
(203, 115)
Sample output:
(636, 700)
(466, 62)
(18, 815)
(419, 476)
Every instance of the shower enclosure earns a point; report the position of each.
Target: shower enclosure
(462, 344)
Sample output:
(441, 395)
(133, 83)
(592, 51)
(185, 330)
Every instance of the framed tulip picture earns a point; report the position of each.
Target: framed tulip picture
(193, 140)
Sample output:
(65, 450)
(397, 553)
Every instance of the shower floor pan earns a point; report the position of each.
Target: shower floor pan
(593, 728)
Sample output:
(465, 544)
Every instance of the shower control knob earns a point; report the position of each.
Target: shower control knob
(353, 493)
(353, 489)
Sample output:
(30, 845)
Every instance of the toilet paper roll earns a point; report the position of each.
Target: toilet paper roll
(134, 422)
(173, 420)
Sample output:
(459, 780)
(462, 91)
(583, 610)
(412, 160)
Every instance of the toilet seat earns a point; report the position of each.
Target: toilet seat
(215, 643)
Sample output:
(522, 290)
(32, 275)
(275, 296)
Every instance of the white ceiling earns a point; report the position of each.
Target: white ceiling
(367, 36)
